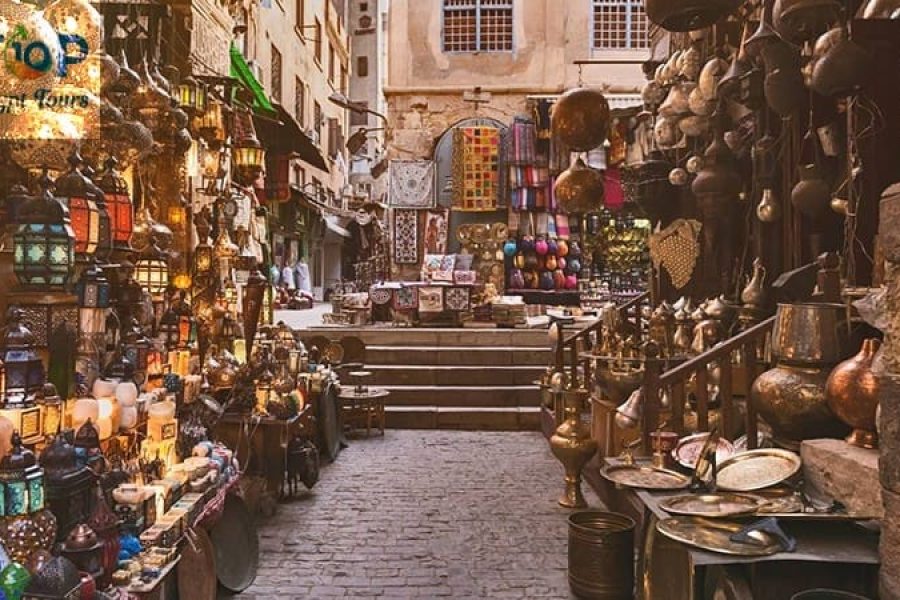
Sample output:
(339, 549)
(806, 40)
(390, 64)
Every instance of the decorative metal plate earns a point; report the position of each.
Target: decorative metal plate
(688, 450)
(334, 353)
(499, 231)
(757, 469)
(712, 505)
(236, 544)
(715, 536)
(197, 569)
(646, 477)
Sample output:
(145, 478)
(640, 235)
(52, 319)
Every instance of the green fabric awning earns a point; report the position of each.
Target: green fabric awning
(240, 70)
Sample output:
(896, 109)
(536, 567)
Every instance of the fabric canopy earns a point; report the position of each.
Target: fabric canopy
(283, 135)
(240, 70)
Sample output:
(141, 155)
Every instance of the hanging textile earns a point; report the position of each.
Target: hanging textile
(542, 110)
(613, 196)
(522, 142)
(434, 233)
(406, 236)
(411, 184)
(476, 165)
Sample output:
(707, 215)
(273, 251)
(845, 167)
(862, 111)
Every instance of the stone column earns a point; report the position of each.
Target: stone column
(889, 420)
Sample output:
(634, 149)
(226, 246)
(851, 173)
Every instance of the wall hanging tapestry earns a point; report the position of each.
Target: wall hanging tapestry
(434, 236)
(456, 298)
(431, 299)
(411, 184)
(476, 168)
(406, 236)
(406, 298)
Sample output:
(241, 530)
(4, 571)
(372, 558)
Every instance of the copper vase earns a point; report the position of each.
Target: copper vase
(573, 446)
(852, 393)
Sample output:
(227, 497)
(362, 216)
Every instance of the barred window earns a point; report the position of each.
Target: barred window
(276, 74)
(620, 25)
(300, 101)
(478, 26)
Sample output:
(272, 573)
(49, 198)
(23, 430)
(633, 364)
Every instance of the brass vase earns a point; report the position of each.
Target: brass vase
(852, 393)
(573, 446)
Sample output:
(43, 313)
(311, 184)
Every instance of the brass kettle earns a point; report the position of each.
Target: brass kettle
(688, 15)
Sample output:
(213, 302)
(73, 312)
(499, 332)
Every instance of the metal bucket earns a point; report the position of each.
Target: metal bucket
(601, 555)
(822, 594)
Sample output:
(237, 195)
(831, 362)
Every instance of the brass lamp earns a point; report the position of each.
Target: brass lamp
(192, 95)
(24, 373)
(151, 271)
(44, 243)
(248, 155)
(72, 191)
(251, 304)
(212, 123)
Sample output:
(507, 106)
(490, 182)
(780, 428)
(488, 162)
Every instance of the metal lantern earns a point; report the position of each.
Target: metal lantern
(118, 204)
(74, 191)
(51, 410)
(168, 328)
(187, 324)
(44, 243)
(211, 124)
(248, 155)
(23, 369)
(137, 347)
(105, 237)
(192, 95)
(93, 291)
(203, 259)
(151, 271)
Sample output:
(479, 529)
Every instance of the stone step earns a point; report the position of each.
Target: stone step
(467, 418)
(396, 336)
(464, 396)
(388, 375)
(459, 355)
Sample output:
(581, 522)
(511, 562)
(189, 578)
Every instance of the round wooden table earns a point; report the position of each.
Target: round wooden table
(363, 407)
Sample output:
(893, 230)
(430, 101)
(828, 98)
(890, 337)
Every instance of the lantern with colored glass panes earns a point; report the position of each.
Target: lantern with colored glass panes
(167, 329)
(105, 241)
(248, 155)
(187, 324)
(137, 347)
(151, 271)
(73, 191)
(211, 124)
(23, 370)
(44, 243)
(118, 204)
(93, 291)
(192, 95)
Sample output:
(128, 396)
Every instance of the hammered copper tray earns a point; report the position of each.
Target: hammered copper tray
(236, 545)
(757, 469)
(712, 505)
(688, 450)
(646, 477)
(715, 536)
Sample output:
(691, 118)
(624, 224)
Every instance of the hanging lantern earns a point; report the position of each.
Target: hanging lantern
(248, 155)
(23, 370)
(192, 95)
(230, 330)
(579, 189)
(203, 259)
(137, 347)
(176, 215)
(581, 119)
(168, 328)
(105, 238)
(93, 291)
(72, 191)
(211, 124)
(151, 271)
(187, 325)
(118, 203)
(51, 406)
(251, 305)
(44, 243)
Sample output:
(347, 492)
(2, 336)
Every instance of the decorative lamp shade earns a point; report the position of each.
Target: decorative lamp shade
(72, 191)
(581, 119)
(151, 271)
(211, 124)
(137, 347)
(203, 259)
(251, 305)
(248, 154)
(44, 243)
(105, 241)
(119, 205)
(93, 289)
(23, 370)
(192, 95)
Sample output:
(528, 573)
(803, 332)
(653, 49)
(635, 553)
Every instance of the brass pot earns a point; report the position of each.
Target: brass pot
(843, 70)
(573, 446)
(688, 15)
(810, 334)
(618, 384)
(852, 393)
(579, 189)
(792, 400)
(581, 119)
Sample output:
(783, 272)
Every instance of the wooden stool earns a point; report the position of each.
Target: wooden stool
(363, 408)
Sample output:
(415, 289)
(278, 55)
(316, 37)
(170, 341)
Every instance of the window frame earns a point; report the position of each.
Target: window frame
(300, 101)
(318, 41)
(300, 17)
(477, 6)
(277, 90)
(629, 27)
(362, 66)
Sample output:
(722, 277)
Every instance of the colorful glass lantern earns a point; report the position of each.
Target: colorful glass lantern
(74, 191)
(23, 370)
(211, 124)
(248, 155)
(44, 243)
(151, 271)
(187, 325)
(168, 328)
(137, 347)
(51, 410)
(93, 289)
(203, 259)
(118, 204)
(105, 241)
(192, 95)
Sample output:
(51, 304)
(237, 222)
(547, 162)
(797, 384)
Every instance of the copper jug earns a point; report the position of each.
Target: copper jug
(852, 393)
(579, 189)
(754, 294)
(811, 195)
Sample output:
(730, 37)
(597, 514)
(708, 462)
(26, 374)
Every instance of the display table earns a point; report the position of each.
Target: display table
(830, 553)
(363, 408)
(260, 443)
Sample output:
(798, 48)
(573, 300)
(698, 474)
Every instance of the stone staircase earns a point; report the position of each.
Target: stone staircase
(478, 379)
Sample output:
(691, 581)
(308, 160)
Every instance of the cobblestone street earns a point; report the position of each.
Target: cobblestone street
(424, 514)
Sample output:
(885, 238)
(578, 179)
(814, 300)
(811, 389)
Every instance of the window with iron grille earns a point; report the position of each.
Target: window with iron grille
(478, 26)
(330, 63)
(317, 122)
(300, 101)
(620, 25)
(276, 74)
(318, 41)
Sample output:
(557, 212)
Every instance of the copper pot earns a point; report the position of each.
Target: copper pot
(811, 195)
(843, 70)
(800, 21)
(718, 176)
(810, 334)
(852, 393)
(688, 15)
(579, 189)
(792, 400)
(581, 119)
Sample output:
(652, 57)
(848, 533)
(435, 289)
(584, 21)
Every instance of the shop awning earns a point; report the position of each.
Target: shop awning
(240, 70)
(283, 135)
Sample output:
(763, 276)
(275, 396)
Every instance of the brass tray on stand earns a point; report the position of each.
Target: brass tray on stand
(645, 477)
(715, 536)
(712, 505)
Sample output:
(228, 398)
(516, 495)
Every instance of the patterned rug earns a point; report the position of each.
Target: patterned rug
(411, 184)
(406, 236)
(434, 236)
(476, 167)
(456, 298)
